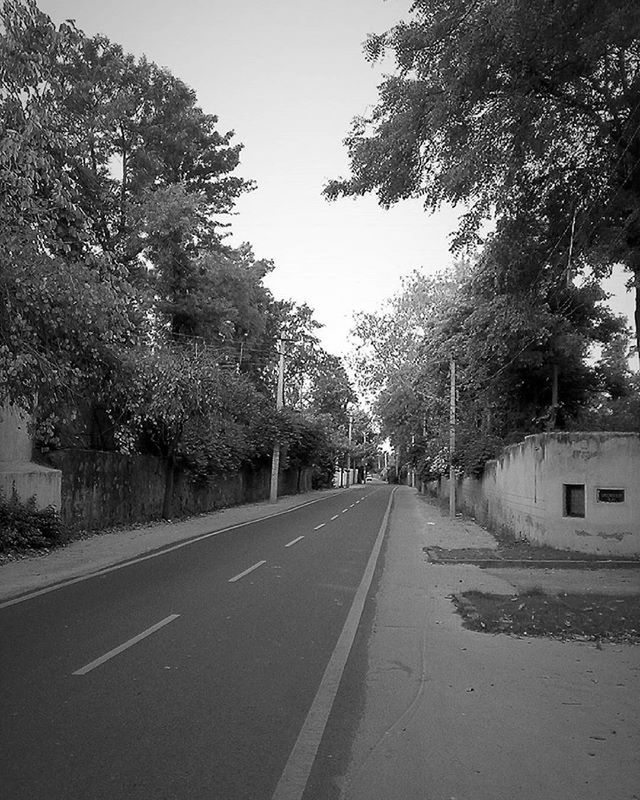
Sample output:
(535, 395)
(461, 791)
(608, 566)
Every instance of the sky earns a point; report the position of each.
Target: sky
(288, 76)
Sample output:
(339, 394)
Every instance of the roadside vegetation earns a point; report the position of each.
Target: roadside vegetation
(128, 322)
(26, 528)
(526, 117)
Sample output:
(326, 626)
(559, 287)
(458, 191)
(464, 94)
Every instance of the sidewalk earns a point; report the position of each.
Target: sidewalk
(451, 714)
(103, 550)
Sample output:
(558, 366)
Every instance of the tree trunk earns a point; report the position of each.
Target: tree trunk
(123, 185)
(167, 501)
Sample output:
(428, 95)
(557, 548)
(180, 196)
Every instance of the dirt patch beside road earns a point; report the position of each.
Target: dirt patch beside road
(527, 555)
(583, 617)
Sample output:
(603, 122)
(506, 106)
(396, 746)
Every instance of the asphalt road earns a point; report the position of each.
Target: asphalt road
(187, 675)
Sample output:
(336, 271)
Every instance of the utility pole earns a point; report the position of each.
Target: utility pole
(349, 450)
(452, 441)
(275, 458)
(412, 471)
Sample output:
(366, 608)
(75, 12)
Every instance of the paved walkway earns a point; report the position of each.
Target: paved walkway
(452, 714)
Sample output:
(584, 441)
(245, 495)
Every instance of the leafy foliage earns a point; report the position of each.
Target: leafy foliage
(511, 106)
(72, 231)
(24, 526)
(122, 307)
(508, 347)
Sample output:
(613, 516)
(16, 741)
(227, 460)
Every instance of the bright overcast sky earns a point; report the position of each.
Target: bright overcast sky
(288, 76)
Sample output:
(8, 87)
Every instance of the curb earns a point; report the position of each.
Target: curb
(536, 563)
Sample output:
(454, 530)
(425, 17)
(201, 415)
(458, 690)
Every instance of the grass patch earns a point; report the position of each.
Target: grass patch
(585, 617)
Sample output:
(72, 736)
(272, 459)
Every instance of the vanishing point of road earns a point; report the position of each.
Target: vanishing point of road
(207, 670)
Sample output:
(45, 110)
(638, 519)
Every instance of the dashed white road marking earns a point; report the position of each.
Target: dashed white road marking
(293, 541)
(344, 510)
(335, 516)
(140, 558)
(246, 572)
(116, 650)
(322, 524)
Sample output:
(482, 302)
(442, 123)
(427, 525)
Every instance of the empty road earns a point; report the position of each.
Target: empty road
(206, 671)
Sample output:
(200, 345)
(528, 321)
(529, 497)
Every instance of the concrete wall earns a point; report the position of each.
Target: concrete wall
(523, 491)
(102, 490)
(17, 472)
(345, 477)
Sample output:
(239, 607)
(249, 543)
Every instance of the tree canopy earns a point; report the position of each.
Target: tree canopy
(524, 364)
(512, 107)
(125, 314)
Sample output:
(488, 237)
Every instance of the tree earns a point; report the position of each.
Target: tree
(190, 411)
(77, 240)
(130, 113)
(388, 341)
(62, 328)
(521, 353)
(500, 103)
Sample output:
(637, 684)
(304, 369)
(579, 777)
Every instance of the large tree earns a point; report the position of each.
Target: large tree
(64, 310)
(521, 351)
(504, 104)
(114, 188)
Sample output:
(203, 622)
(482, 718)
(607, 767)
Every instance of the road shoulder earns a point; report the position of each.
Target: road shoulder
(444, 706)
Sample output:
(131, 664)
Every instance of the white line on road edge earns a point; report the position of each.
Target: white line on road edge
(161, 552)
(246, 572)
(116, 650)
(296, 773)
(293, 541)
(321, 525)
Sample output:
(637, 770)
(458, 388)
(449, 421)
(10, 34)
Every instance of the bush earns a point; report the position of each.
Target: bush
(23, 526)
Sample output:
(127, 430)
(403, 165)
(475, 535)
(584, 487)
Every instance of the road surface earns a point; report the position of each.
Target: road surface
(203, 672)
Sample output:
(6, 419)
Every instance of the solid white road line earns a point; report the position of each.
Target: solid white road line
(246, 572)
(116, 650)
(296, 773)
(293, 541)
(322, 524)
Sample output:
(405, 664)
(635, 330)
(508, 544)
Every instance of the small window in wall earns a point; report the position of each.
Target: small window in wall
(574, 499)
(610, 495)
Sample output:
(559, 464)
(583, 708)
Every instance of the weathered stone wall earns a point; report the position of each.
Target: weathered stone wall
(524, 491)
(102, 490)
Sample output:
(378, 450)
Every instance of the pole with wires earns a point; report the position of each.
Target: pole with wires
(452, 440)
(275, 459)
(349, 450)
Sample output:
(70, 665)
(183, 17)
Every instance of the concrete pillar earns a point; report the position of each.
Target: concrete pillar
(17, 471)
